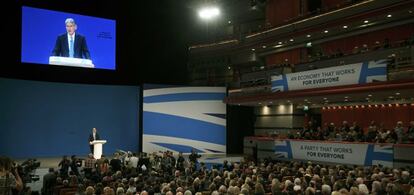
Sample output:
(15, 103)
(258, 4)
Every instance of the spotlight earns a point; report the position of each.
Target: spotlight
(208, 13)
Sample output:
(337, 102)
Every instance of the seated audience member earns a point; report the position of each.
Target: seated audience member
(9, 177)
(116, 163)
(372, 132)
(392, 136)
(410, 132)
(399, 131)
(90, 166)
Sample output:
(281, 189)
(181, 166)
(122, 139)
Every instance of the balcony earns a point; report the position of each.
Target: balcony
(400, 56)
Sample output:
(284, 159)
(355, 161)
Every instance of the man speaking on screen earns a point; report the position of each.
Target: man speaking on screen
(71, 44)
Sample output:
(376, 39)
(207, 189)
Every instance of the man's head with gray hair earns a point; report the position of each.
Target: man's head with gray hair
(70, 26)
(326, 189)
(70, 20)
(363, 189)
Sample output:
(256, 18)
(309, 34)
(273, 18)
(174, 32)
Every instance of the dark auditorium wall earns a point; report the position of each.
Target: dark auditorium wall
(281, 11)
(292, 56)
(387, 115)
(240, 123)
(45, 119)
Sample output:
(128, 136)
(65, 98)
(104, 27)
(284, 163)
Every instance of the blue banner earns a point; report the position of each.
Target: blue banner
(359, 73)
(366, 154)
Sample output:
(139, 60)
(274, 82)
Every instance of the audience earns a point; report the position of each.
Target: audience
(374, 133)
(245, 177)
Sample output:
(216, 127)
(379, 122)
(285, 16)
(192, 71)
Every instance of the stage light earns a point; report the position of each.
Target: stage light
(345, 26)
(208, 13)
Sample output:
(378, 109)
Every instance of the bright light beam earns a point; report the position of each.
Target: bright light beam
(208, 13)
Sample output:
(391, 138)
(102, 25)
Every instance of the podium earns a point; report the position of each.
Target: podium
(97, 148)
(65, 61)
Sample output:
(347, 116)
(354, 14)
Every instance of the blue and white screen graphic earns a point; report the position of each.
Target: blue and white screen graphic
(180, 119)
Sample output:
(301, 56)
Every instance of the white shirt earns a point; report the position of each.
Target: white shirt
(134, 161)
(73, 37)
(94, 136)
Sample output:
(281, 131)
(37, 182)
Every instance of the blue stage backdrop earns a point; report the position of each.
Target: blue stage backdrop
(41, 27)
(181, 118)
(45, 119)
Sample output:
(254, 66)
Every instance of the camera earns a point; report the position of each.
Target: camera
(78, 161)
(26, 170)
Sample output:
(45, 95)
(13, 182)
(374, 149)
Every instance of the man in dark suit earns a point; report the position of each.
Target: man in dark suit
(49, 182)
(71, 44)
(92, 137)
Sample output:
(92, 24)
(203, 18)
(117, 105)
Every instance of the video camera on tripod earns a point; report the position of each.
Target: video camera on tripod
(26, 170)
